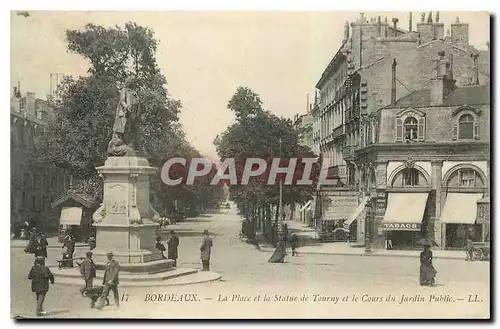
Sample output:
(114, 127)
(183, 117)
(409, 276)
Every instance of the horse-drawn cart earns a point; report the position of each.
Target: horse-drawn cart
(480, 251)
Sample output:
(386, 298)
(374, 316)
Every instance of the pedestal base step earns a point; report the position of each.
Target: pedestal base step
(178, 276)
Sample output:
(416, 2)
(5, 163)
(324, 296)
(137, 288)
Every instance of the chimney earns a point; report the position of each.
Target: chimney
(395, 25)
(460, 33)
(410, 23)
(442, 83)
(476, 68)
(30, 103)
(393, 87)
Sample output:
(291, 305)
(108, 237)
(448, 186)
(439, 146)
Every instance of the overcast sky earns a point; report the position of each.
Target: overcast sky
(205, 56)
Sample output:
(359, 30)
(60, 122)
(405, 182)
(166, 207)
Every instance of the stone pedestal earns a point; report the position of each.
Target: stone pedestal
(126, 223)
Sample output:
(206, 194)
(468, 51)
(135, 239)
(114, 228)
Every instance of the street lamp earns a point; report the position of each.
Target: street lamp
(280, 209)
(368, 237)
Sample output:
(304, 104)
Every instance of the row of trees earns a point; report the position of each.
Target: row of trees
(259, 133)
(78, 134)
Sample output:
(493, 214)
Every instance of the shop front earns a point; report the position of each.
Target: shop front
(483, 217)
(353, 224)
(403, 217)
(459, 217)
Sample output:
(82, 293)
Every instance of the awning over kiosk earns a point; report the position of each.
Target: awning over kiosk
(404, 211)
(460, 208)
(71, 216)
(355, 215)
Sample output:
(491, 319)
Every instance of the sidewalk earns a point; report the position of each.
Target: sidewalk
(305, 233)
(53, 243)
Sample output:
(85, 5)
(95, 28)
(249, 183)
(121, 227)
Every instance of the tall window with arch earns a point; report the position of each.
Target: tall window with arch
(466, 127)
(410, 129)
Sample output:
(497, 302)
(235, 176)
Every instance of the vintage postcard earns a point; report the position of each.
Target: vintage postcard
(250, 165)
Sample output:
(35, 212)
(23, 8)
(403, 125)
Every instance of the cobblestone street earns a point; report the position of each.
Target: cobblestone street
(246, 274)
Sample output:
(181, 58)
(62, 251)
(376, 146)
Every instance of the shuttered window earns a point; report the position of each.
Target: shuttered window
(399, 130)
(421, 129)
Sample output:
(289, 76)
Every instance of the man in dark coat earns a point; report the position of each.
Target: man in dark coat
(41, 246)
(110, 282)
(173, 245)
(206, 248)
(40, 276)
(294, 242)
(88, 271)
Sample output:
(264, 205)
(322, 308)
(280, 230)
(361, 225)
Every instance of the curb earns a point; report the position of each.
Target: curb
(263, 249)
(51, 247)
(159, 283)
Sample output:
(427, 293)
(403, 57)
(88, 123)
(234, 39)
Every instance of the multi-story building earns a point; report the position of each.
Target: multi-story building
(427, 166)
(34, 186)
(376, 64)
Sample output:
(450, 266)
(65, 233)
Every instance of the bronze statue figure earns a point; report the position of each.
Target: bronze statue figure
(117, 145)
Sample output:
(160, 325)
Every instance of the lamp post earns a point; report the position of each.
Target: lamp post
(280, 210)
(368, 226)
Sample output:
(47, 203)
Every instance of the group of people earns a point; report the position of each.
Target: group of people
(37, 244)
(173, 247)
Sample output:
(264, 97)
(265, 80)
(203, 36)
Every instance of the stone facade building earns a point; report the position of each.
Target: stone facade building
(34, 186)
(428, 164)
(376, 64)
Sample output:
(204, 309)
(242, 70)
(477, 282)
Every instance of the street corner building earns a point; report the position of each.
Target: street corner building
(401, 118)
(34, 185)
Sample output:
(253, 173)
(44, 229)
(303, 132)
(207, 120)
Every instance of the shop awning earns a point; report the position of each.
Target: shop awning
(355, 215)
(404, 211)
(307, 206)
(460, 208)
(71, 216)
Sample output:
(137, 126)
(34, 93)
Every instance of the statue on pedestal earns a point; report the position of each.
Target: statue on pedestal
(117, 145)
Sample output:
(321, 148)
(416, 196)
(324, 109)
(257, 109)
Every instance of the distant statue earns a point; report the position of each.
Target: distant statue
(422, 17)
(437, 17)
(429, 18)
(346, 31)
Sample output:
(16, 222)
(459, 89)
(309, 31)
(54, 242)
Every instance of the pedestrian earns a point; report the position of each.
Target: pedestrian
(388, 241)
(160, 246)
(40, 275)
(285, 235)
(41, 247)
(110, 282)
(70, 249)
(294, 242)
(88, 271)
(173, 247)
(279, 253)
(469, 248)
(206, 248)
(427, 271)
(32, 243)
(92, 243)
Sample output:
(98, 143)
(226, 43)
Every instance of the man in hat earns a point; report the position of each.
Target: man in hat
(88, 271)
(40, 276)
(206, 248)
(173, 245)
(110, 282)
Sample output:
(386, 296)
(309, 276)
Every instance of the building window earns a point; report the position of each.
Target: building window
(410, 177)
(467, 178)
(410, 129)
(466, 127)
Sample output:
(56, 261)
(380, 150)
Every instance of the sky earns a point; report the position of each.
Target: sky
(207, 55)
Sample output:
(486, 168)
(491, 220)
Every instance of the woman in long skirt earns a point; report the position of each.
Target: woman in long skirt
(279, 253)
(427, 271)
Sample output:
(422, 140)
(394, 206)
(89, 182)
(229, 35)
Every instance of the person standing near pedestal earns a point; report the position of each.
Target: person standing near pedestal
(110, 282)
(88, 271)
(173, 245)
(206, 248)
(40, 276)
